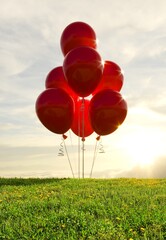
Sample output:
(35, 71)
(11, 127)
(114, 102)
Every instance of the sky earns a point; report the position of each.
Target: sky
(130, 33)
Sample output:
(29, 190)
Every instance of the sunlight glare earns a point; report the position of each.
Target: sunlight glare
(142, 146)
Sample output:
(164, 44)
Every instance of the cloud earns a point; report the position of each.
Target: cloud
(32, 161)
(159, 168)
(155, 170)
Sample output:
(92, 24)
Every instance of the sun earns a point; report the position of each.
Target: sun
(142, 147)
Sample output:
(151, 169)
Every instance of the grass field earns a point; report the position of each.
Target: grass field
(82, 209)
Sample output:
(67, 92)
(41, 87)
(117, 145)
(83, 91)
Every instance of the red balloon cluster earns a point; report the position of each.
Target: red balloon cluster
(63, 105)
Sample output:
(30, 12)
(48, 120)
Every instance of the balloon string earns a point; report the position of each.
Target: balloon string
(61, 152)
(94, 158)
(79, 134)
(78, 157)
(101, 147)
(68, 158)
(83, 135)
(83, 159)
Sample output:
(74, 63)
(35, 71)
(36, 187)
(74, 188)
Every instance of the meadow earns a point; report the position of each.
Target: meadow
(78, 209)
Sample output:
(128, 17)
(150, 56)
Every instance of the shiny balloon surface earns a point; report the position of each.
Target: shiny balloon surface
(55, 109)
(112, 77)
(56, 79)
(77, 34)
(83, 70)
(107, 110)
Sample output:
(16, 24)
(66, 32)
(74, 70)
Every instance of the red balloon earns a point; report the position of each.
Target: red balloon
(81, 125)
(77, 34)
(107, 111)
(112, 78)
(56, 79)
(55, 108)
(83, 70)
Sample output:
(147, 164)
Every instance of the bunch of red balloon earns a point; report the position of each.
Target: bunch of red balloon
(64, 104)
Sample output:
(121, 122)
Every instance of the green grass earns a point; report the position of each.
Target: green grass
(82, 209)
